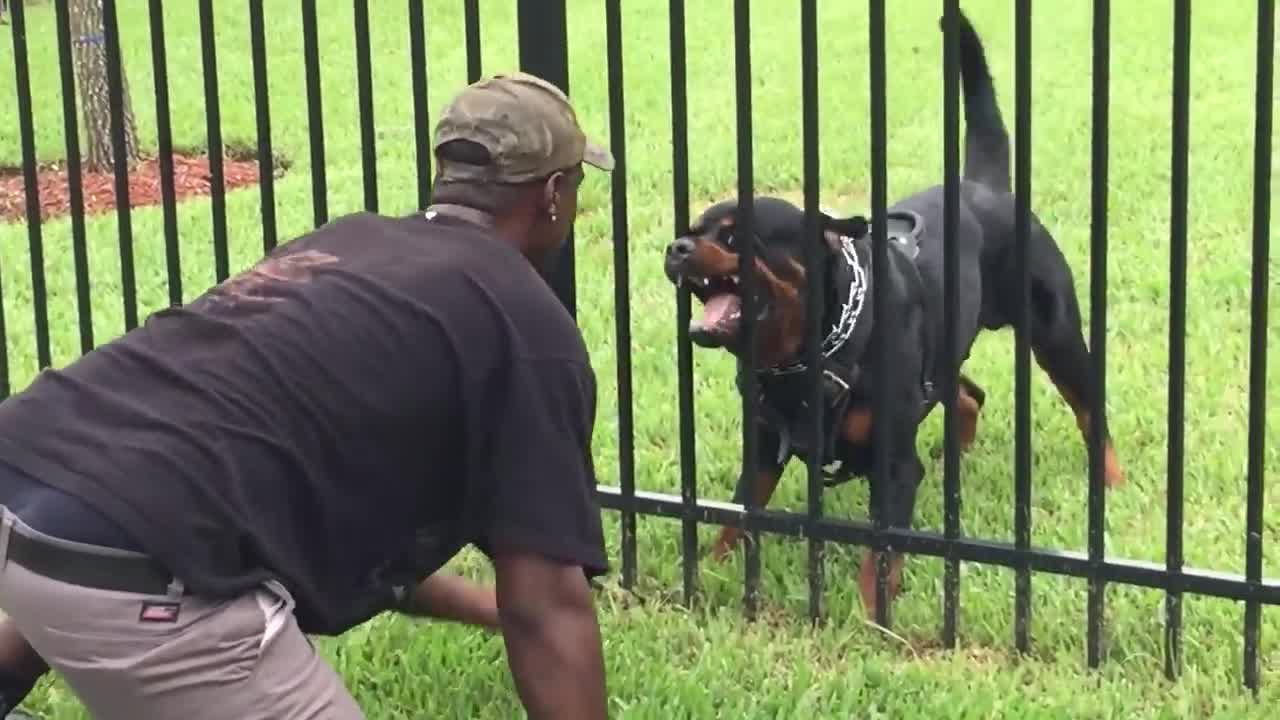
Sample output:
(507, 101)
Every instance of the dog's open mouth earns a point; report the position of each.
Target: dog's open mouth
(721, 321)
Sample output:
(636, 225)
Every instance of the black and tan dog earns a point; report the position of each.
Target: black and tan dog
(706, 258)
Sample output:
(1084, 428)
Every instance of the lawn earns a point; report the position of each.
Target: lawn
(667, 661)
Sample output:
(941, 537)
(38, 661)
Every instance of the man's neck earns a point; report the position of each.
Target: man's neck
(483, 219)
(462, 212)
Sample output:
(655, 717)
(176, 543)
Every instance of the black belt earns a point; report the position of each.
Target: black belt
(133, 574)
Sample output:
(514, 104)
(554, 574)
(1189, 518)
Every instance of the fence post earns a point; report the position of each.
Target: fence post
(544, 51)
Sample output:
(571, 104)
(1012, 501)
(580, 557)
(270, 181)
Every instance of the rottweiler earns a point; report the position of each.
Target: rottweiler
(706, 259)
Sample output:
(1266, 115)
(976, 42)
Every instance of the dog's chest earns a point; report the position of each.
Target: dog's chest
(786, 409)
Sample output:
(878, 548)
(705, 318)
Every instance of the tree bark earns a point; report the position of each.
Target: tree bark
(89, 52)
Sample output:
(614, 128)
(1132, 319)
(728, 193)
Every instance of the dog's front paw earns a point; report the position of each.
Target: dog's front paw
(726, 543)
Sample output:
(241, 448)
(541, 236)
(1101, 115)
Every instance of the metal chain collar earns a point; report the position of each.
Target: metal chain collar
(849, 312)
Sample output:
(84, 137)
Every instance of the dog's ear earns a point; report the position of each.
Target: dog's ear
(854, 226)
(962, 22)
(832, 239)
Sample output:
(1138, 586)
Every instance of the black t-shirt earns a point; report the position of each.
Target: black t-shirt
(344, 416)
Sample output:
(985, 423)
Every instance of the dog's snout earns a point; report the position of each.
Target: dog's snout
(681, 248)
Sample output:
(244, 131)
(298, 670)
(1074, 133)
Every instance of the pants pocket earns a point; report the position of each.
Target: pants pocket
(208, 661)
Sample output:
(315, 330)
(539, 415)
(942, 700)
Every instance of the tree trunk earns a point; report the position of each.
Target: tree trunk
(89, 51)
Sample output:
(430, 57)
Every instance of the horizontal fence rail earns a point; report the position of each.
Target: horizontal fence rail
(990, 552)
(542, 38)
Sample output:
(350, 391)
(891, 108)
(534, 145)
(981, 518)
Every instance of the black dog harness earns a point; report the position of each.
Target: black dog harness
(784, 390)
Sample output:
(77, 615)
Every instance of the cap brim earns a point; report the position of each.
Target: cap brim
(597, 156)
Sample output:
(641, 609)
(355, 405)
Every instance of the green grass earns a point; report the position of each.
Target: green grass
(665, 661)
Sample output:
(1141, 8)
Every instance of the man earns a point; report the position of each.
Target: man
(293, 449)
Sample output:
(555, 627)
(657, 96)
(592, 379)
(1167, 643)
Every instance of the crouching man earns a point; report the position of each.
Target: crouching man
(303, 446)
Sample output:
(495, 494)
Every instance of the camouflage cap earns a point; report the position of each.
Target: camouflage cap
(526, 124)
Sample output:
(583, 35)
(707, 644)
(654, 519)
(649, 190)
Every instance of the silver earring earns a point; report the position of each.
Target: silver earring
(553, 216)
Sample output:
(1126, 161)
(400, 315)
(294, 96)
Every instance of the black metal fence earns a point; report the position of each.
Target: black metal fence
(542, 50)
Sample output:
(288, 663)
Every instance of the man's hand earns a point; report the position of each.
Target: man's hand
(552, 638)
(450, 597)
(20, 668)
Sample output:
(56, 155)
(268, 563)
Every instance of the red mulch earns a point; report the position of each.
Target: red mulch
(190, 176)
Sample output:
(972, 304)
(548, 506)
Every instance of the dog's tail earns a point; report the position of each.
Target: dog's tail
(986, 140)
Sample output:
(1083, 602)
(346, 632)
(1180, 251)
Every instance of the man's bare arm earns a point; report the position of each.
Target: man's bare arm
(454, 598)
(552, 637)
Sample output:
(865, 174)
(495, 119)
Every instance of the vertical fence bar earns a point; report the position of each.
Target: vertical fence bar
(315, 113)
(4, 343)
(262, 106)
(544, 51)
(1177, 332)
(26, 131)
(75, 183)
(816, 301)
(684, 347)
(472, 11)
(421, 123)
(164, 137)
(1022, 338)
(621, 287)
(4, 348)
(745, 231)
(879, 258)
(120, 161)
(213, 125)
(364, 87)
(1098, 321)
(4, 337)
(1263, 103)
(950, 295)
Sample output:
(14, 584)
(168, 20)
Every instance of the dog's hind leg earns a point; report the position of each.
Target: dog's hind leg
(1057, 341)
(1068, 368)
(970, 398)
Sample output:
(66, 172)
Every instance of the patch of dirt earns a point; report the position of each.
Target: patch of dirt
(191, 177)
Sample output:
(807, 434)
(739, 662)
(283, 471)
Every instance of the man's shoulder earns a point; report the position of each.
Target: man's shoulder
(461, 270)
(432, 262)
(545, 329)
(355, 228)
(520, 298)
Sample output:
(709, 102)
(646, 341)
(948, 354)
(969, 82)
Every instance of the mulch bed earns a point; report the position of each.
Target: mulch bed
(190, 175)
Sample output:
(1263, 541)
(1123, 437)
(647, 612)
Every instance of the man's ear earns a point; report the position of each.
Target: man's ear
(551, 192)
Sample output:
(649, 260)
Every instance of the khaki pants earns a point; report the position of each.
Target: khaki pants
(130, 655)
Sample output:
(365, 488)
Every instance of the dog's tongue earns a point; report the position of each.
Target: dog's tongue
(719, 308)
